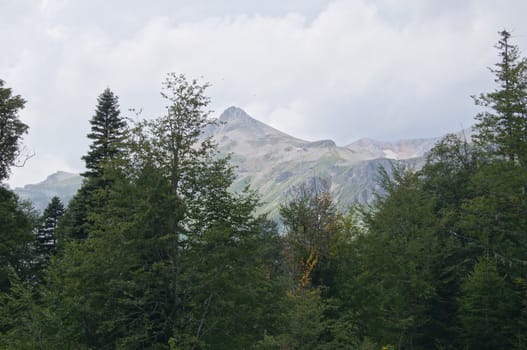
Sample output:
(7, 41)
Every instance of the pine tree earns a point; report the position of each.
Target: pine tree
(46, 232)
(503, 127)
(107, 133)
(11, 129)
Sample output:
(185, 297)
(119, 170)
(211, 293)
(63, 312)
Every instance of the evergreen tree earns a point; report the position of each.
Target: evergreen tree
(46, 238)
(107, 133)
(486, 306)
(503, 127)
(403, 248)
(19, 328)
(11, 129)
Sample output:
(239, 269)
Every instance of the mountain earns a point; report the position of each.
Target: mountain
(398, 150)
(61, 184)
(271, 162)
(401, 149)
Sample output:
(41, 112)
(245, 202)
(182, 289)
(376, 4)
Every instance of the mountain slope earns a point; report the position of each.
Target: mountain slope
(402, 149)
(271, 162)
(61, 184)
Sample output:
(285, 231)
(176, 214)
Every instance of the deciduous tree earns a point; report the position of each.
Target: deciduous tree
(11, 129)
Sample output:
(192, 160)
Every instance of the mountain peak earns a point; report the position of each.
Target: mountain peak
(59, 176)
(234, 114)
(236, 119)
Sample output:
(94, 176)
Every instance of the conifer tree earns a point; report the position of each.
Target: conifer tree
(107, 132)
(503, 127)
(46, 232)
(107, 135)
(486, 307)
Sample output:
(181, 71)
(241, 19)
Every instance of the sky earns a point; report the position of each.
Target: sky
(315, 69)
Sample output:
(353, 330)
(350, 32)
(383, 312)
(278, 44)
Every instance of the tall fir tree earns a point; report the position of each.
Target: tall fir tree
(46, 238)
(503, 126)
(107, 133)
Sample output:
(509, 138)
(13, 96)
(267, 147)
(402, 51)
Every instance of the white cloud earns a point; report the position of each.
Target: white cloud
(41, 166)
(341, 69)
(58, 32)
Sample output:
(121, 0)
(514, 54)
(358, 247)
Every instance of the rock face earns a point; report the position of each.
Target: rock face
(271, 162)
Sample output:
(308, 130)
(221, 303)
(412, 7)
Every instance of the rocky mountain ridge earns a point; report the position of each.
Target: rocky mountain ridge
(271, 162)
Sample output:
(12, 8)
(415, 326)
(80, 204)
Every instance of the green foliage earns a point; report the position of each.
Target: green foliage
(312, 225)
(11, 129)
(16, 238)
(170, 256)
(306, 323)
(486, 302)
(399, 259)
(107, 134)
(19, 325)
(46, 236)
(503, 127)
(75, 224)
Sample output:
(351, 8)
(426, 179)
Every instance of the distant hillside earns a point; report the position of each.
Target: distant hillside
(271, 162)
(401, 149)
(398, 150)
(60, 184)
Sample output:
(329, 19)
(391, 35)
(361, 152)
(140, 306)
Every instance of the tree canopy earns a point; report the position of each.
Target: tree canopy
(11, 129)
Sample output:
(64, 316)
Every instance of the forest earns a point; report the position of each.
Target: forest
(155, 252)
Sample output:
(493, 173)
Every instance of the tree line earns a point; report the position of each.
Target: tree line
(155, 252)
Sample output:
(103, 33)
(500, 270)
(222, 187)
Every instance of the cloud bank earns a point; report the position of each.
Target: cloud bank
(328, 69)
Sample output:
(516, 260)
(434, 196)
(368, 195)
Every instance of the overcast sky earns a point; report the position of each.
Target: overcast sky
(341, 70)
